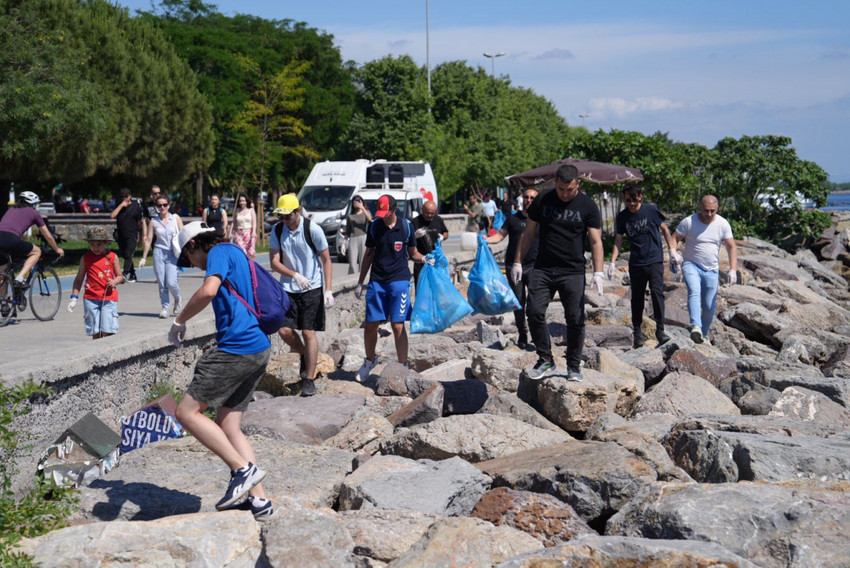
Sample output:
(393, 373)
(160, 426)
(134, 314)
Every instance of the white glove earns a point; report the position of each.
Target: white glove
(516, 272)
(429, 259)
(440, 237)
(143, 262)
(733, 277)
(72, 304)
(420, 233)
(611, 270)
(301, 281)
(358, 291)
(177, 333)
(596, 281)
(676, 257)
(329, 299)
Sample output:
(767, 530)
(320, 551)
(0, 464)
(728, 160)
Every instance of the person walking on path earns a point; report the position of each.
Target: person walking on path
(566, 216)
(101, 272)
(215, 216)
(304, 262)
(244, 231)
(428, 229)
(355, 233)
(225, 377)
(389, 244)
(513, 229)
(490, 209)
(476, 220)
(644, 224)
(165, 226)
(129, 224)
(703, 233)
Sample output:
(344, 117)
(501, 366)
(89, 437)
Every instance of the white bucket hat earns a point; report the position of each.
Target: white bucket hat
(189, 232)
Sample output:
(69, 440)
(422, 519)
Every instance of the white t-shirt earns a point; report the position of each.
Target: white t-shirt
(298, 256)
(490, 208)
(702, 242)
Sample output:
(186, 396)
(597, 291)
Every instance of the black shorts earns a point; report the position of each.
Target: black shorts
(227, 379)
(306, 310)
(14, 245)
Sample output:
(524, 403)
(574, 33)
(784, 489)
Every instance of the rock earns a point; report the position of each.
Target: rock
(281, 377)
(229, 538)
(501, 369)
(606, 362)
(650, 362)
(758, 400)
(465, 397)
(633, 552)
(838, 364)
(801, 347)
(693, 362)
(735, 295)
(438, 349)
(308, 539)
(426, 407)
(474, 437)
(466, 542)
(771, 525)
(684, 394)
(448, 487)
(595, 478)
(607, 336)
(397, 380)
(763, 425)
(361, 431)
(836, 389)
(542, 516)
(575, 405)
(308, 420)
(385, 534)
(756, 323)
(770, 268)
(811, 406)
(490, 336)
(510, 405)
(456, 370)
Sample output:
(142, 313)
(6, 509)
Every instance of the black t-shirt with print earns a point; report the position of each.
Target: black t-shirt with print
(515, 225)
(563, 230)
(642, 228)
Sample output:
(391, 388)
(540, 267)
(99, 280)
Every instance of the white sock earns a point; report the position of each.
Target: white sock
(258, 501)
(19, 279)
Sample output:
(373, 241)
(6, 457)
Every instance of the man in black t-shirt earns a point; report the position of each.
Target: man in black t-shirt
(644, 225)
(565, 217)
(428, 229)
(129, 223)
(513, 228)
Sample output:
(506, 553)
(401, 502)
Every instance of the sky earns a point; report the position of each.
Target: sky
(697, 71)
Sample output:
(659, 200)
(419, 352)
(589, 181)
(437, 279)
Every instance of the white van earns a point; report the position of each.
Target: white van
(327, 193)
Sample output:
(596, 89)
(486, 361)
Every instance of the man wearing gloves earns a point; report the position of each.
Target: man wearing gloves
(565, 217)
(428, 229)
(703, 233)
(302, 259)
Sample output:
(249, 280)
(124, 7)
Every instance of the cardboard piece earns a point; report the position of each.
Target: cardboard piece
(81, 454)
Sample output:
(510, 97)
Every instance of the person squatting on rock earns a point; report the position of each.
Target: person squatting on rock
(102, 273)
(129, 224)
(226, 376)
(428, 229)
(513, 229)
(390, 241)
(644, 224)
(703, 233)
(566, 216)
(302, 268)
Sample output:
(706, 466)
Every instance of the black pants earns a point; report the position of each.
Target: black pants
(520, 288)
(542, 284)
(126, 249)
(652, 274)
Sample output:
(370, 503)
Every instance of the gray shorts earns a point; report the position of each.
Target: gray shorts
(226, 379)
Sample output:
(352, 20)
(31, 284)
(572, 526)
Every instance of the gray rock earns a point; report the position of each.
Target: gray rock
(489, 336)
(684, 394)
(501, 369)
(811, 406)
(735, 295)
(385, 534)
(361, 430)
(465, 397)
(606, 361)
(424, 408)
(608, 336)
(650, 361)
(437, 349)
(455, 370)
(767, 267)
(448, 487)
(807, 259)
(309, 539)
(397, 380)
(758, 400)
(835, 388)
(714, 370)
(756, 322)
(474, 437)
(307, 420)
(762, 425)
(510, 405)
(771, 525)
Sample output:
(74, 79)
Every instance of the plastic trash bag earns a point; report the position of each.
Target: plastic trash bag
(438, 304)
(489, 292)
(498, 220)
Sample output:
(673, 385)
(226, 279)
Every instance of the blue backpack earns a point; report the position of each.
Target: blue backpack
(271, 299)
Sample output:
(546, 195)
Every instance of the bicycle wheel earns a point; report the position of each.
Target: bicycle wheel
(45, 294)
(7, 308)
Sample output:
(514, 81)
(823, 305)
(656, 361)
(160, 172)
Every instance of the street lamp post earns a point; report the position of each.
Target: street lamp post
(493, 57)
(428, 49)
(582, 117)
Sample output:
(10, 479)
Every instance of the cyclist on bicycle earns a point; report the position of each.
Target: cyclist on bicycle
(12, 227)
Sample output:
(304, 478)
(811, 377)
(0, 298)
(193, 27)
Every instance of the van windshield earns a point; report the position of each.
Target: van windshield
(325, 197)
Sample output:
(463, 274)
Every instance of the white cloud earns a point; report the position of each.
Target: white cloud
(556, 54)
(603, 108)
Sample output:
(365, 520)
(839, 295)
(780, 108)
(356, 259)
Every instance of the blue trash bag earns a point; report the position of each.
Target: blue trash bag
(489, 292)
(440, 260)
(498, 220)
(438, 303)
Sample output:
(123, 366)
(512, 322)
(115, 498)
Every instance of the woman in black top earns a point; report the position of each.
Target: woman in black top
(215, 216)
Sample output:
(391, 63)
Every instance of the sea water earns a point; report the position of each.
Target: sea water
(837, 202)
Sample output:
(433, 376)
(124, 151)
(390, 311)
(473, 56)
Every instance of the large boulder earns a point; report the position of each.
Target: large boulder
(501, 369)
(510, 405)
(308, 420)
(308, 539)
(385, 534)
(684, 394)
(811, 406)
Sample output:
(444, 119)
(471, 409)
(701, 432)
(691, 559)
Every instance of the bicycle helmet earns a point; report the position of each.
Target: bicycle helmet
(29, 198)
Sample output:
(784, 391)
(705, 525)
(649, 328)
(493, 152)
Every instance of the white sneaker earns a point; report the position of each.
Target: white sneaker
(696, 334)
(367, 366)
(164, 313)
(177, 307)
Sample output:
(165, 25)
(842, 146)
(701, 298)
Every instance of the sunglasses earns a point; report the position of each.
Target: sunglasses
(162, 206)
(286, 217)
(630, 200)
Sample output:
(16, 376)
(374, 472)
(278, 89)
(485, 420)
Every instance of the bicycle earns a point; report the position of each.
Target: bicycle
(42, 287)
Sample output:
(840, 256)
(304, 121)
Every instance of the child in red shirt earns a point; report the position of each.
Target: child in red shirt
(101, 272)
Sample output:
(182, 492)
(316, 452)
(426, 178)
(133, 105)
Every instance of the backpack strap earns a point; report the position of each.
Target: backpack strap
(278, 230)
(256, 312)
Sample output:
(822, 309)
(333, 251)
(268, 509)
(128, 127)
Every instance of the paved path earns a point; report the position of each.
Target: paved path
(26, 343)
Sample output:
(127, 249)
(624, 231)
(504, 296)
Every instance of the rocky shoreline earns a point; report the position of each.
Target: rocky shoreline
(733, 454)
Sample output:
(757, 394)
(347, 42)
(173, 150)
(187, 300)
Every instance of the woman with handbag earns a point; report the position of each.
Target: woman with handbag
(166, 226)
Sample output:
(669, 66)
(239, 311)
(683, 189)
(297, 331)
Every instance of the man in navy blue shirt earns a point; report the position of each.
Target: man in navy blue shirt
(644, 224)
(390, 241)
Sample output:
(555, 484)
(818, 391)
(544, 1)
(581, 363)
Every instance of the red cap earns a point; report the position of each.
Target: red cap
(386, 205)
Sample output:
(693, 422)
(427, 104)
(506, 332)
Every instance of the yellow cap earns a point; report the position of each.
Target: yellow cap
(286, 204)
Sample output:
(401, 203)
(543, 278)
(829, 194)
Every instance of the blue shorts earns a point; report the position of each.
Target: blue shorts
(388, 301)
(100, 316)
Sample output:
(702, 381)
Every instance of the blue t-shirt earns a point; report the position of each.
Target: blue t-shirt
(237, 329)
(390, 261)
(642, 228)
(298, 256)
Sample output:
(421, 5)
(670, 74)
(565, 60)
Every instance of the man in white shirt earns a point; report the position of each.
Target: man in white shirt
(490, 209)
(703, 233)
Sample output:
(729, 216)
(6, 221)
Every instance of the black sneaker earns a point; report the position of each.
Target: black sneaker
(302, 369)
(574, 374)
(308, 388)
(19, 285)
(539, 370)
(639, 339)
(662, 338)
(130, 278)
(262, 512)
(522, 341)
(5, 309)
(241, 482)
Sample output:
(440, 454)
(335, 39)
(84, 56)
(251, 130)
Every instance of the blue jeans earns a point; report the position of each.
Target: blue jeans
(702, 294)
(165, 270)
